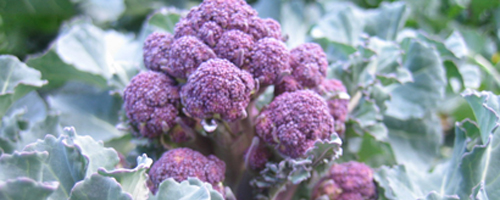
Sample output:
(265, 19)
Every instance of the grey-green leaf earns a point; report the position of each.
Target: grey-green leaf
(16, 80)
(98, 187)
(26, 189)
(23, 164)
(95, 152)
(485, 106)
(65, 164)
(191, 189)
(133, 181)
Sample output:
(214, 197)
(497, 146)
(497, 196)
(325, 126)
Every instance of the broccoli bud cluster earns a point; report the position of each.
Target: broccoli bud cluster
(346, 181)
(182, 163)
(214, 66)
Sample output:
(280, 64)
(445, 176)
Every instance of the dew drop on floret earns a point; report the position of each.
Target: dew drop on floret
(294, 121)
(186, 54)
(217, 87)
(155, 50)
(182, 163)
(151, 101)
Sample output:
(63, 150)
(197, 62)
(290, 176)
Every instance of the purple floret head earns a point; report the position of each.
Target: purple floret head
(261, 28)
(182, 163)
(294, 121)
(210, 33)
(269, 60)
(155, 50)
(217, 87)
(309, 64)
(335, 94)
(151, 101)
(287, 84)
(257, 157)
(235, 46)
(185, 55)
(354, 177)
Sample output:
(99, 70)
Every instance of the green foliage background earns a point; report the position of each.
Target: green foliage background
(413, 69)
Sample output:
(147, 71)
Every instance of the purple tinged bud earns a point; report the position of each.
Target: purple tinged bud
(334, 92)
(186, 54)
(261, 28)
(151, 101)
(309, 64)
(183, 131)
(257, 155)
(294, 121)
(355, 179)
(269, 59)
(217, 87)
(155, 50)
(183, 28)
(287, 84)
(182, 163)
(210, 33)
(235, 46)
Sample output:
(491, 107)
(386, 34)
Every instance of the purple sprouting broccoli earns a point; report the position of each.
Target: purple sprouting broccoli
(151, 102)
(184, 28)
(309, 64)
(269, 60)
(337, 99)
(294, 121)
(256, 156)
(155, 50)
(210, 33)
(261, 28)
(186, 54)
(182, 163)
(235, 46)
(351, 180)
(287, 84)
(183, 131)
(217, 87)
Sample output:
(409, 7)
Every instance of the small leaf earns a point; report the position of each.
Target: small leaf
(133, 181)
(486, 106)
(26, 189)
(16, 80)
(98, 187)
(65, 164)
(97, 155)
(190, 189)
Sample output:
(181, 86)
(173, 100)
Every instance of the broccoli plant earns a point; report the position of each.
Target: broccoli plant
(261, 99)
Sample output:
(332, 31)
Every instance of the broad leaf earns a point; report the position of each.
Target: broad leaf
(133, 181)
(16, 80)
(26, 189)
(101, 11)
(23, 164)
(412, 100)
(486, 107)
(191, 189)
(65, 164)
(98, 187)
(97, 155)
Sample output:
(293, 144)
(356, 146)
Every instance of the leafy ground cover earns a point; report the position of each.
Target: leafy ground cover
(422, 77)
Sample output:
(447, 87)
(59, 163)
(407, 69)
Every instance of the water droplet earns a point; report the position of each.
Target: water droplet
(209, 125)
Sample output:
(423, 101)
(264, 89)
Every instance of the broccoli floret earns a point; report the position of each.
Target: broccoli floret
(351, 180)
(235, 46)
(210, 33)
(294, 121)
(186, 54)
(257, 156)
(270, 59)
(217, 87)
(309, 64)
(337, 99)
(182, 163)
(151, 102)
(155, 50)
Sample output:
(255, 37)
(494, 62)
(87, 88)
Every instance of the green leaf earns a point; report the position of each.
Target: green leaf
(412, 100)
(92, 111)
(163, 20)
(486, 106)
(133, 181)
(97, 155)
(436, 196)
(26, 189)
(101, 11)
(23, 164)
(98, 187)
(86, 53)
(191, 189)
(480, 165)
(16, 80)
(65, 164)
(396, 183)
(386, 21)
